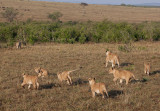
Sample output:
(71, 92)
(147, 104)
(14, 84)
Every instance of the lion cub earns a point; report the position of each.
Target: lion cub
(97, 87)
(113, 58)
(65, 76)
(18, 45)
(41, 72)
(30, 80)
(121, 74)
(147, 68)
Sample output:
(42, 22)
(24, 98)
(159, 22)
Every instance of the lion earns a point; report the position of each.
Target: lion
(113, 58)
(97, 88)
(41, 72)
(121, 74)
(65, 76)
(30, 80)
(18, 45)
(147, 68)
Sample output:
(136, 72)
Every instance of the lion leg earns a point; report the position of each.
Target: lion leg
(70, 80)
(127, 80)
(23, 84)
(106, 63)
(37, 85)
(145, 71)
(121, 80)
(115, 79)
(29, 86)
(118, 63)
(93, 94)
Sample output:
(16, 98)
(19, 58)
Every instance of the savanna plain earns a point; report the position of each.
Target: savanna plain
(139, 95)
(38, 10)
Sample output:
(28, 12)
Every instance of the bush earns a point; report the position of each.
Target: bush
(82, 38)
(10, 14)
(72, 32)
(67, 35)
(55, 16)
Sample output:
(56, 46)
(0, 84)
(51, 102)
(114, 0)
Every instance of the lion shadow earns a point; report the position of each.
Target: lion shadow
(126, 64)
(48, 86)
(139, 80)
(114, 93)
(111, 93)
(154, 72)
(79, 82)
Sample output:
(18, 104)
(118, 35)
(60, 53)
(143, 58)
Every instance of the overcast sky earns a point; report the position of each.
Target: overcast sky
(117, 2)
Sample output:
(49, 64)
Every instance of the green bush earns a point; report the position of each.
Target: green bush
(55, 16)
(72, 32)
(82, 38)
(67, 35)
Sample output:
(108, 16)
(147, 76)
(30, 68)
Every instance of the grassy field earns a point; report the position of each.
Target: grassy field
(75, 12)
(142, 95)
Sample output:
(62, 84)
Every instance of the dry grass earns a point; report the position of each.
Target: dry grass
(75, 12)
(143, 95)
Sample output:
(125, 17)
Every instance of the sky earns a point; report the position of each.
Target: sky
(114, 2)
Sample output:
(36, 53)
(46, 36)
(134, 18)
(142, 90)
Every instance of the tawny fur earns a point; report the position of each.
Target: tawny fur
(18, 45)
(30, 80)
(65, 76)
(147, 68)
(97, 88)
(113, 58)
(122, 75)
(41, 72)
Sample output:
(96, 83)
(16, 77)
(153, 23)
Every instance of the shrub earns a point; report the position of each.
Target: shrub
(82, 38)
(83, 4)
(122, 4)
(72, 32)
(55, 16)
(67, 35)
(10, 14)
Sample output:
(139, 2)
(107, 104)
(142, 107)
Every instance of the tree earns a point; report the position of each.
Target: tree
(55, 16)
(122, 4)
(10, 14)
(84, 4)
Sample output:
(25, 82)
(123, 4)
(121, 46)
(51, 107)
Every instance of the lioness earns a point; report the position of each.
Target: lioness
(97, 87)
(41, 72)
(18, 45)
(30, 79)
(121, 74)
(147, 68)
(113, 58)
(65, 76)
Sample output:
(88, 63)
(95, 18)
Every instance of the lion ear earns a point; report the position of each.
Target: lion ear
(112, 68)
(23, 74)
(107, 50)
(94, 78)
